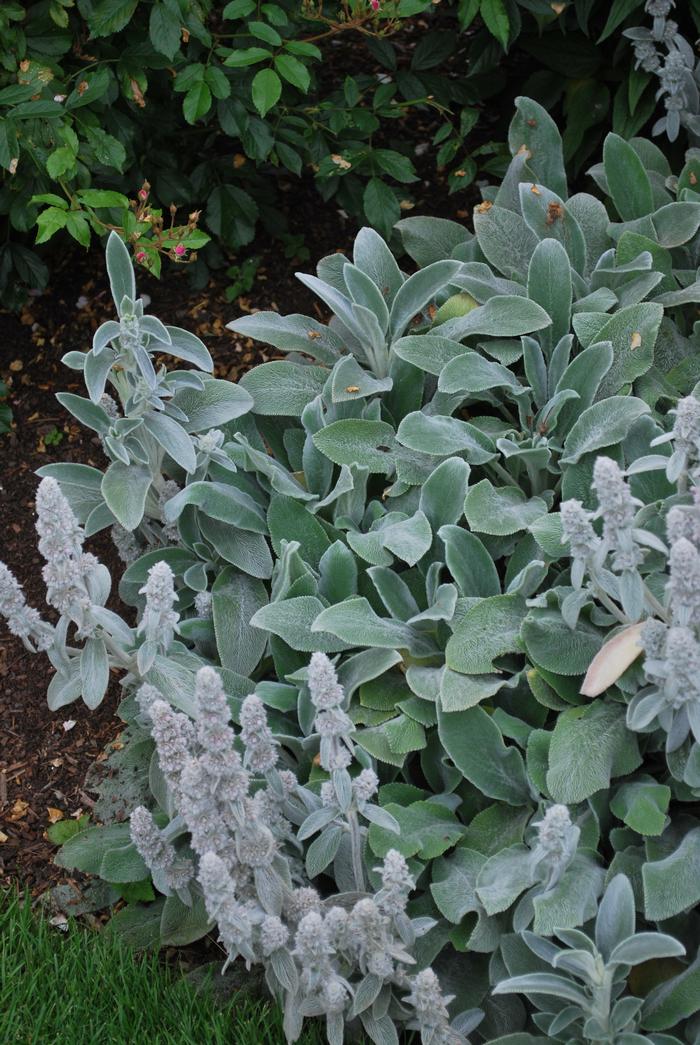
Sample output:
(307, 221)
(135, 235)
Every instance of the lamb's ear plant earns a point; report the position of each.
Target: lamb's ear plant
(585, 998)
(480, 504)
(661, 50)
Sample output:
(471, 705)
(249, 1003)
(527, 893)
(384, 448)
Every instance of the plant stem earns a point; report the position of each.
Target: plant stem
(356, 850)
(603, 597)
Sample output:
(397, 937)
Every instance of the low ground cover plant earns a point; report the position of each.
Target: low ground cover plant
(410, 700)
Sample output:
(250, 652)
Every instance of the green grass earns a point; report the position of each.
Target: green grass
(86, 988)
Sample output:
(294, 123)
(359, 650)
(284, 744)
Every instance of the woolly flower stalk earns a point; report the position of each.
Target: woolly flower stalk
(683, 666)
(430, 1006)
(170, 533)
(334, 728)
(61, 543)
(255, 842)
(646, 56)
(336, 926)
(302, 901)
(203, 604)
(683, 522)
(684, 583)
(686, 427)
(659, 8)
(223, 907)
(397, 883)
(273, 935)
(261, 747)
(335, 995)
(577, 529)
(174, 737)
(22, 620)
(368, 932)
(208, 830)
(313, 952)
(158, 854)
(554, 830)
(128, 548)
(672, 667)
(365, 785)
(109, 406)
(617, 508)
(146, 696)
(557, 840)
(673, 74)
(219, 759)
(583, 541)
(60, 536)
(210, 441)
(653, 638)
(331, 723)
(324, 689)
(159, 623)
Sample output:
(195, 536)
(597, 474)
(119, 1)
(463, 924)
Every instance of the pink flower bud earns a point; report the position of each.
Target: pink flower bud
(179, 250)
(143, 194)
(141, 256)
(374, 4)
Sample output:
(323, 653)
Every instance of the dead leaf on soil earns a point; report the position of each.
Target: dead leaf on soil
(19, 810)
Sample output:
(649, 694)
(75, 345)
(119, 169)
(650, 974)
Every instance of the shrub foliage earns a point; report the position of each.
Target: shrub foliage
(212, 104)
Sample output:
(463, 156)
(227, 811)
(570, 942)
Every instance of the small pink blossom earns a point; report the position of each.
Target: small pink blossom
(374, 4)
(143, 194)
(179, 250)
(141, 256)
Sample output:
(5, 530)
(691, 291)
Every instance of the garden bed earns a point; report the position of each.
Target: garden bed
(46, 756)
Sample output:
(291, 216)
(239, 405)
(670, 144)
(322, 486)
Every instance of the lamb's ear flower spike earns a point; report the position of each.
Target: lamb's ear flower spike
(199, 809)
(218, 760)
(365, 785)
(274, 935)
(128, 548)
(159, 622)
(684, 582)
(430, 1005)
(324, 688)
(397, 883)
(584, 542)
(617, 508)
(260, 746)
(158, 854)
(332, 724)
(174, 737)
(557, 841)
(60, 535)
(22, 620)
(223, 907)
(68, 568)
(203, 604)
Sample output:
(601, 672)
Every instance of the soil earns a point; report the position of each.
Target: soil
(44, 756)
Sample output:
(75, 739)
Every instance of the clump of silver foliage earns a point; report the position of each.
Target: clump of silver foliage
(662, 50)
(343, 957)
(611, 568)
